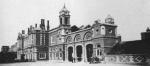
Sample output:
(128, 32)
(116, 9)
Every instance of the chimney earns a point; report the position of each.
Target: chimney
(28, 31)
(42, 21)
(47, 24)
(23, 31)
(35, 25)
(42, 25)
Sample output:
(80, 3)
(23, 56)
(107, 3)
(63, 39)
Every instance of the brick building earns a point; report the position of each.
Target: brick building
(66, 42)
(34, 45)
(73, 44)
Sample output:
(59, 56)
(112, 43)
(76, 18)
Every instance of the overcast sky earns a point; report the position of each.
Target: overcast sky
(131, 16)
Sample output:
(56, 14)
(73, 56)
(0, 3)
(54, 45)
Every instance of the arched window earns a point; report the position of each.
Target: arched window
(87, 36)
(77, 38)
(102, 30)
(69, 39)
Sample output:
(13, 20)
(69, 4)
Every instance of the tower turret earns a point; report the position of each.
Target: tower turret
(64, 17)
(147, 30)
(109, 19)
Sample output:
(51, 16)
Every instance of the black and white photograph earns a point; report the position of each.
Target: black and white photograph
(74, 32)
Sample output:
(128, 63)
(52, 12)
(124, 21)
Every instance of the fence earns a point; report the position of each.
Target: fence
(126, 58)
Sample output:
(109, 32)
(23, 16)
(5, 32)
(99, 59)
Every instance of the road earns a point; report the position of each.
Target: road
(46, 63)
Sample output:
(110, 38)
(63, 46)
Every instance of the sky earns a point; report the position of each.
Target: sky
(131, 16)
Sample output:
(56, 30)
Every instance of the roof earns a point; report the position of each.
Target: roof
(64, 9)
(132, 47)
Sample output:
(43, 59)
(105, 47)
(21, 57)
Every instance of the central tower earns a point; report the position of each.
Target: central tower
(64, 17)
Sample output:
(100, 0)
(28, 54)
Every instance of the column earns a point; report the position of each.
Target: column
(63, 20)
(85, 54)
(75, 54)
(66, 54)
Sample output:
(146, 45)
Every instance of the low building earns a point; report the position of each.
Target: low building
(4, 49)
(6, 55)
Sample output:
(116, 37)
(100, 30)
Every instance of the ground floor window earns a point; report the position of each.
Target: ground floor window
(42, 55)
(50, 55)
(60, 54)
(99, 52)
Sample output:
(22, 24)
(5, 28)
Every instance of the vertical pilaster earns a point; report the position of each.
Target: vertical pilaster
(85, 54)
(75, 54)
(66, 54)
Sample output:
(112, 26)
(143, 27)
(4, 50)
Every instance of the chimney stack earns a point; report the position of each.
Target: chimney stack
(23, 31)
(47, 24)
(35, 25)
(42, 21)
(28, 31)
(42, 25)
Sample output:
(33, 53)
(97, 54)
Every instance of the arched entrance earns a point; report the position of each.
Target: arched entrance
(70, 51)
(89, 52)
(79, 52)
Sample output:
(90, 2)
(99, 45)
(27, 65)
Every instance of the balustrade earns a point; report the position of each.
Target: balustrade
(125, 58)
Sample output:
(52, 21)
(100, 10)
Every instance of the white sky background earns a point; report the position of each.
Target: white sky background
(131, 16)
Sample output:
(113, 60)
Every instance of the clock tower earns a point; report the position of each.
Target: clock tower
(64, 17)
(109, 19)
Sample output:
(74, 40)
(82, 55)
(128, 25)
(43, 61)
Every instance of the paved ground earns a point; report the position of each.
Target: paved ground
(46, 63)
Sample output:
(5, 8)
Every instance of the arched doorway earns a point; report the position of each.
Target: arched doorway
(70, 51)
(79, 52)
(89, 52)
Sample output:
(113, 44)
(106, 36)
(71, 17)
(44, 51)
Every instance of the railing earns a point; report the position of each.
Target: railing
(126, 58)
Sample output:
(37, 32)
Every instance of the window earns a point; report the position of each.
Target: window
(69, 39)
(98, 46)
(102, 30)
(57, 54)
(66, 21)
(60, 49)
(88, 36)
(50, 55)
(99, 52)
(60, 55)
(42, 55)
(53, 38)
(110, 31)
(60, 20)
(97, 30)
(77, 37)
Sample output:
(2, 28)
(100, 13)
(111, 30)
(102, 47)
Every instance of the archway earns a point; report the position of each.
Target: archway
(70, 51)
(79, 52)
(89, 52)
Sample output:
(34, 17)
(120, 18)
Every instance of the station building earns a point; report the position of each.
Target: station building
(66, 42)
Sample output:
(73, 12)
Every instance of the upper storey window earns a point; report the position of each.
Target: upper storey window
(77, 38)
(69, 39)
(102, 30)
(88, 36)
(53, 39)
